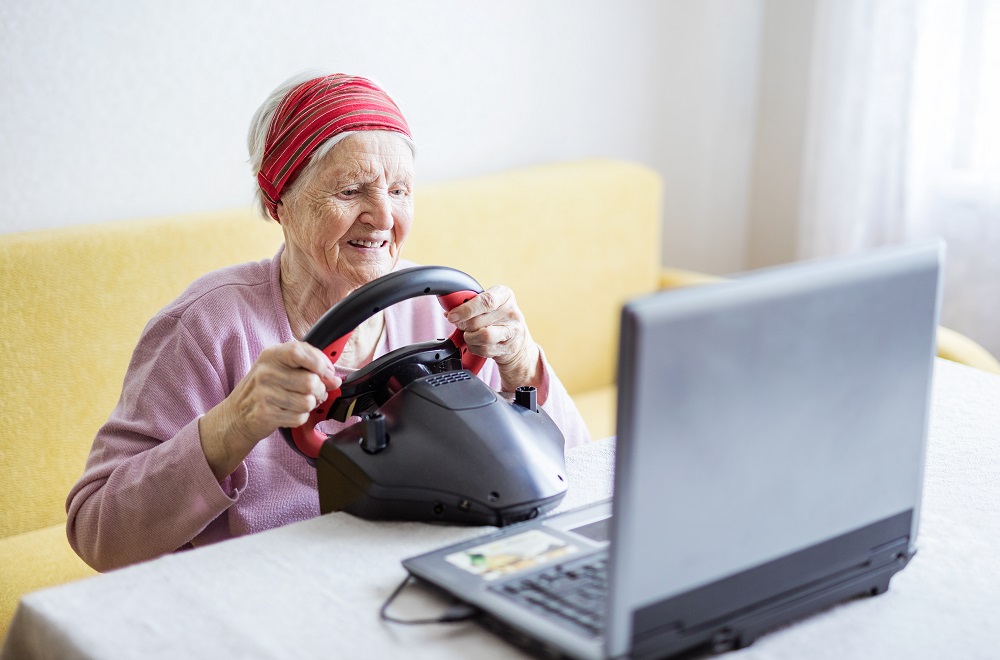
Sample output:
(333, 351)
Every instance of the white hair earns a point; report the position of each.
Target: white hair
(261, 123)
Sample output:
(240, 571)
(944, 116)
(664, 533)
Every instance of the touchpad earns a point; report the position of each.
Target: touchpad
(597, 530)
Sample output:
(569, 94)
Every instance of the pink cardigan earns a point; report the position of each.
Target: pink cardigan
(147, 489)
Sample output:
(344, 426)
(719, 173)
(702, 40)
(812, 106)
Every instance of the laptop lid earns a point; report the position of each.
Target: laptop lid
(779, 415)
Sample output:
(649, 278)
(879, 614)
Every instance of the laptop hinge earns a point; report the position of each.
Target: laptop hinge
(732, 612)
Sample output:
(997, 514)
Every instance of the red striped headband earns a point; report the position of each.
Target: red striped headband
(314, 112)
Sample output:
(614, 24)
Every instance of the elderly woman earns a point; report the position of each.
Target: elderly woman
(192, 454)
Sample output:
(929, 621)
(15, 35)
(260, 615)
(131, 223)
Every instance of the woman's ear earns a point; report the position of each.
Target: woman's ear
(279, 211)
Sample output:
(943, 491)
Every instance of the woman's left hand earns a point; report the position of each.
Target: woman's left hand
(494, 327)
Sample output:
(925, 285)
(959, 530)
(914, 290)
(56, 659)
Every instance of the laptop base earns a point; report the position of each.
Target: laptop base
(743, 631)
(734, 611)
(730, 635)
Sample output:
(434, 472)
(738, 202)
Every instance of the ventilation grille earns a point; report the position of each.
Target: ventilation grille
(446, 378)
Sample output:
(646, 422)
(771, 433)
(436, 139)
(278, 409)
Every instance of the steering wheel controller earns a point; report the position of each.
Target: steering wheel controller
(434, 442)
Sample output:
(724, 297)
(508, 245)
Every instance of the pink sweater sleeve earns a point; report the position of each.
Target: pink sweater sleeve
(147, 489)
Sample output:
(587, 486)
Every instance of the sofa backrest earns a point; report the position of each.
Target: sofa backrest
(73, 304)
(573, 241)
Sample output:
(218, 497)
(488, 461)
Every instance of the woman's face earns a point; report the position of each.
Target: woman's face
(346, 221)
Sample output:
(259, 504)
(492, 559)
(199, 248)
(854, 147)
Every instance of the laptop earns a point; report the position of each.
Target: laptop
(769, 459)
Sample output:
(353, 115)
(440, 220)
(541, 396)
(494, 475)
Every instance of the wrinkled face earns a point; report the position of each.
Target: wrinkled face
(346, 219)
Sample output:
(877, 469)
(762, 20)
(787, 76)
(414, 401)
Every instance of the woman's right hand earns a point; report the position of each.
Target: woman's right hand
(285, 383)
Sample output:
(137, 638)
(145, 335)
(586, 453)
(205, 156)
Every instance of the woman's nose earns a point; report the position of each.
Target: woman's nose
(378, 213)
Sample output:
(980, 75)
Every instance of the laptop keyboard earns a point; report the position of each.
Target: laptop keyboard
(572, 592)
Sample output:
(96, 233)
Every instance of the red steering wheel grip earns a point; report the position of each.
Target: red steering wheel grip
(336, 347)
(306, 438)
(470, 360)
(450, 301)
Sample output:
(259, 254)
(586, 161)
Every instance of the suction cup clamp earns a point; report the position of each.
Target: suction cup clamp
(526, 396)
(373, 436)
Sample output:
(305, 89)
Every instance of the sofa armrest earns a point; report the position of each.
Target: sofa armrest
(957, 347)
(951, 345)
(673, 278)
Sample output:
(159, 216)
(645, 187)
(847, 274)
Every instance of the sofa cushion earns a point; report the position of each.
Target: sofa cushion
(34, 560)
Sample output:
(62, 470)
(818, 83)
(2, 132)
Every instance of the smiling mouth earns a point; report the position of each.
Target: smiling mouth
(368, 244)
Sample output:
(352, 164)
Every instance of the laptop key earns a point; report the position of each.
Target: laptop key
(571, 593)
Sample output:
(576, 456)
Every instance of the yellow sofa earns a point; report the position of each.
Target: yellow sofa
(574, 241)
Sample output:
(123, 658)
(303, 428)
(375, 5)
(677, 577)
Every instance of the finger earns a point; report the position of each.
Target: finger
(500, 316)
(503, 310)
(290, 419)
(493, 340)
(300, 355)
(487, 301)
(279, 377)
(278, 409)
(287, 404)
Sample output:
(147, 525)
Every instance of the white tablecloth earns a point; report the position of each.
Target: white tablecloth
(313, 589)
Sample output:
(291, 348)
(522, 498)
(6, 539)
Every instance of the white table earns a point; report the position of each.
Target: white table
(313, 589)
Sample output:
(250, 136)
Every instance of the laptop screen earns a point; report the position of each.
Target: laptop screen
(765, 415)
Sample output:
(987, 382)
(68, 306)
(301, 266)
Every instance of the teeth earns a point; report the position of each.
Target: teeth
(367, 244)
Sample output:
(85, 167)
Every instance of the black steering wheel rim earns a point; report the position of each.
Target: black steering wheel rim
(334, 328)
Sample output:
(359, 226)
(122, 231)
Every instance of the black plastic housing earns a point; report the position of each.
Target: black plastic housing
(456, 452)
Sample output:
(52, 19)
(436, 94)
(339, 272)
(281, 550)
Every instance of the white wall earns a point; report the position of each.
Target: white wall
(128, 108)
(779, 137)
(706, 108)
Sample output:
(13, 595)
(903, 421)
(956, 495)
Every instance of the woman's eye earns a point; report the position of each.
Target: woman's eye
(350, 192)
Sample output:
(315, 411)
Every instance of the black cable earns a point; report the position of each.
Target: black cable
(458, 611)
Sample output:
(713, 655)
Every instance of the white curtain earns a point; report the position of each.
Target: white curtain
(903, 141)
